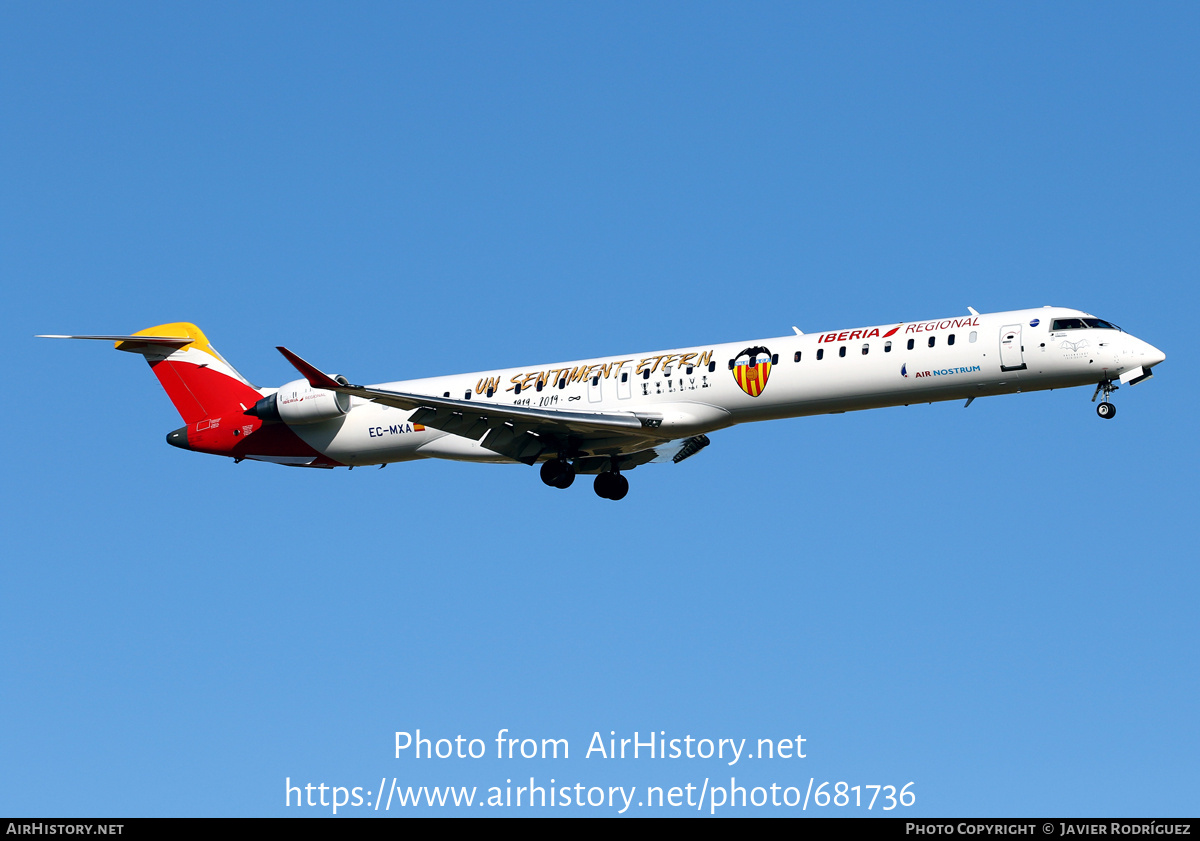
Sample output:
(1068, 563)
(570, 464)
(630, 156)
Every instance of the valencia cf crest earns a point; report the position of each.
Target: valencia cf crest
(752, 369)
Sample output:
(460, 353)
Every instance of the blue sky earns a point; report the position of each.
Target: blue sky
(997, 604)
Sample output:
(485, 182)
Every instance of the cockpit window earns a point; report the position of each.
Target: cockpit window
(1082, 323)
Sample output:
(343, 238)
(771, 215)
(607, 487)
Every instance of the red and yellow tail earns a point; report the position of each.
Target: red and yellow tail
(212, 398)
(198, 380)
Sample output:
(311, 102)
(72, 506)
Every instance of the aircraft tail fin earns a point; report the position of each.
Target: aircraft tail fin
(198, 380)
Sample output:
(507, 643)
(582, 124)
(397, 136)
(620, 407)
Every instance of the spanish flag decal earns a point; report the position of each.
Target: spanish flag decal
(751, 369)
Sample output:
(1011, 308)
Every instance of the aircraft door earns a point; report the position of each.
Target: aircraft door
(595, 384)
(623, 381)
(1012, 354)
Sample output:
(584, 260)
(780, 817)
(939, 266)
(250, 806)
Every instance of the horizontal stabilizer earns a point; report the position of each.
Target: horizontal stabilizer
(169, 341)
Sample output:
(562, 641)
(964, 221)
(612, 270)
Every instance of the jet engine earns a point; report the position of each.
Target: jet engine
(298, 402)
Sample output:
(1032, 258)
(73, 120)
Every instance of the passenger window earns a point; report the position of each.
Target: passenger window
(910, 343)
(540, 384)
(973, 336)
(595, 381)
(865, 349)
(842, 350)
(645, 373)
(689, 369)
(797, 356)
(624, 376)
(820, 353)
(774, 358)
(468, 395)
(950, 339)
(932, 340)
(562, 383)
(712, 366)
(887, 347)
(490, 391)
(447, 394)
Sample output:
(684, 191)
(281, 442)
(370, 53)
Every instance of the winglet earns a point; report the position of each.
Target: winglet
(314, 376)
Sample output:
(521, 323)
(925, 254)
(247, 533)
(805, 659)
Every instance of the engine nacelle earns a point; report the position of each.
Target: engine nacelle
(298, 402)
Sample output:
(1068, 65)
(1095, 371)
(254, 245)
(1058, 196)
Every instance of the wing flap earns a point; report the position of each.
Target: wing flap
(514, 443)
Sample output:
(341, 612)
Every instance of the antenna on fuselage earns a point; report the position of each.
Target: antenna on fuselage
(971, 310)
(799, 332)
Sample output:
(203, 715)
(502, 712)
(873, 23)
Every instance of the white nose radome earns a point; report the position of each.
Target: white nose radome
(1153, 355)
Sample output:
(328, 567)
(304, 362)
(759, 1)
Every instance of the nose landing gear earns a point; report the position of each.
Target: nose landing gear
(1105, 410)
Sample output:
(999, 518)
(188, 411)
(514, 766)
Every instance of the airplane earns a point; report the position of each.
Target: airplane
(608, 415)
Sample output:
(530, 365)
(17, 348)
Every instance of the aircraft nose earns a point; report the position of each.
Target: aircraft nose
(1153, 355)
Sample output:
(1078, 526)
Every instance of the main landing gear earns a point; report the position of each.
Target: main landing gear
(560, 473)
(611, 485)
(1105, 410)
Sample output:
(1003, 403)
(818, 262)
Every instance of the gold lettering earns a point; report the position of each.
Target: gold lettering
(654, 367)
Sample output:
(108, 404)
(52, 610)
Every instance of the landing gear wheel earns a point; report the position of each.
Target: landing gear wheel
(603, 485)
(621, 487)
(558, 474)
(611, 486)
(1104, 390)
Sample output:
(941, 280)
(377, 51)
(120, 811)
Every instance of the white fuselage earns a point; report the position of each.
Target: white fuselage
(698, 390)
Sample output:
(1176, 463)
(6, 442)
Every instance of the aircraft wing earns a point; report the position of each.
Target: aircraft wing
(520, 432)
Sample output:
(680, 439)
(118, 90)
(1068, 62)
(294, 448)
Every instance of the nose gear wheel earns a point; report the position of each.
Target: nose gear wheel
(1106, 409)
